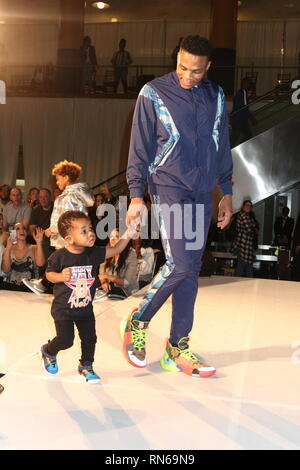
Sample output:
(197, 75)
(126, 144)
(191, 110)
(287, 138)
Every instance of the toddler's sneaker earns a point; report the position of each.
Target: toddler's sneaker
(180, 358)
(87, 373)
(133, 334)
(49, 362)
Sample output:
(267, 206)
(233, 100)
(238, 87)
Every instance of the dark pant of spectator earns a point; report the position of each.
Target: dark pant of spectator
(121, 74)
(244, 269)
(242, 128)
(65, 337)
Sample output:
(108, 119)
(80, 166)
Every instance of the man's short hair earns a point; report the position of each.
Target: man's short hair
(197, 45)
(48, 191)
(65, 168)
(66, 220)
(3, 186)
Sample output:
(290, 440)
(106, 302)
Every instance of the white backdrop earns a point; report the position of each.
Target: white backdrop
(93, 133)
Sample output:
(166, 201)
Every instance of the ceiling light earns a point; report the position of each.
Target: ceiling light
(100, 5)
(114, 20)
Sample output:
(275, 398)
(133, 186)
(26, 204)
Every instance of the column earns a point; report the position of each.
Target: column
(71, 30)
(223, 37)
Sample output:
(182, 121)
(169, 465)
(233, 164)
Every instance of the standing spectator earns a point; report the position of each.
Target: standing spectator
(4, 196)
(175, 54)
(240, 115)
(120, 60)
(283, 229)
(245, 241)
(33, 197)
(41, 216)
(75, 196)
(16, 210)
(89, 64)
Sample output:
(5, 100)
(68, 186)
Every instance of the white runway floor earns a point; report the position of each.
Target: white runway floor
(246, 328)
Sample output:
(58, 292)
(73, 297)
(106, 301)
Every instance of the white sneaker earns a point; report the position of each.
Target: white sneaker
(99, 295)
(35, 285)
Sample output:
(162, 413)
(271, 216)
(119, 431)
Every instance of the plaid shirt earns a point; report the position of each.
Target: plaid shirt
(243, 242)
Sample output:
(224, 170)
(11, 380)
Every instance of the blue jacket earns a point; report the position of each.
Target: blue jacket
(179, 138)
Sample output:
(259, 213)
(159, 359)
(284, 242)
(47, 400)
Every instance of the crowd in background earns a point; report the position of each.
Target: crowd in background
(25, 242)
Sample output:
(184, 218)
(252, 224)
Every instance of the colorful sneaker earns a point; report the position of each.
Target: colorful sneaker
(87, 373)
(1, 388)
(35, 285)
(180, 358)
(49, 362)
(133, 334)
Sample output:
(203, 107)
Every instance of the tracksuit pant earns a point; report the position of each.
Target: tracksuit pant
(179, 276)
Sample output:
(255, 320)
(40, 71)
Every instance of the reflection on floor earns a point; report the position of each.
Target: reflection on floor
(249, 329)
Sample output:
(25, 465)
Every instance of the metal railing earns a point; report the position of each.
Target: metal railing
(26, 79)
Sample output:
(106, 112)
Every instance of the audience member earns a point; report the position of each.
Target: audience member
(120, 271)
(56, 192)
(108, 197)
(121, 60)
(296, 244)
(4, 196)
(16, 210)
(95, 216)
(245, 241)
(240, 115)
(89, 64)
(75, 196)
(175, 53)
(145, 257)
(21, 260)
(33, 197)
(41, 216)
(283, 229)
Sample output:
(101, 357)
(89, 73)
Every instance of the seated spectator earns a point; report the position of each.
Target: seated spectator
(93, 215)
(16, 210)
(56, 192)
(4, 196)
(41, 216)
(33, 197)
(145, 256)
(120, 271)
(108, 197)
(21, 260)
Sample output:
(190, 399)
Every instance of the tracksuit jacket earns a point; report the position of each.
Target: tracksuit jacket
(180, 148)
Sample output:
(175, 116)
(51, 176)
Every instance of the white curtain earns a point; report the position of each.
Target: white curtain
(260, 43)
(10, 139)
(101, 130)
(292, 46)
(47, 137)
(93, 133)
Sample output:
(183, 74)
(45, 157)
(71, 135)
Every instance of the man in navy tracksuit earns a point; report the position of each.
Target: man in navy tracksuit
(180, 148)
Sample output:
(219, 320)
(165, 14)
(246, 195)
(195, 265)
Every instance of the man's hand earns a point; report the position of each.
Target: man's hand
(225, 211)
(136, 216)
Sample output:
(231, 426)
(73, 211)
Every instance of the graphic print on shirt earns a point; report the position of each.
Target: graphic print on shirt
(81, 282)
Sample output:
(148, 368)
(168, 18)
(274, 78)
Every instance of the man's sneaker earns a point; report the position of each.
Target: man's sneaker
(99, 295)
(133, 334)
(87, 373)
(180, 358)
(49, 362)
(1, 388)
(35, 285)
